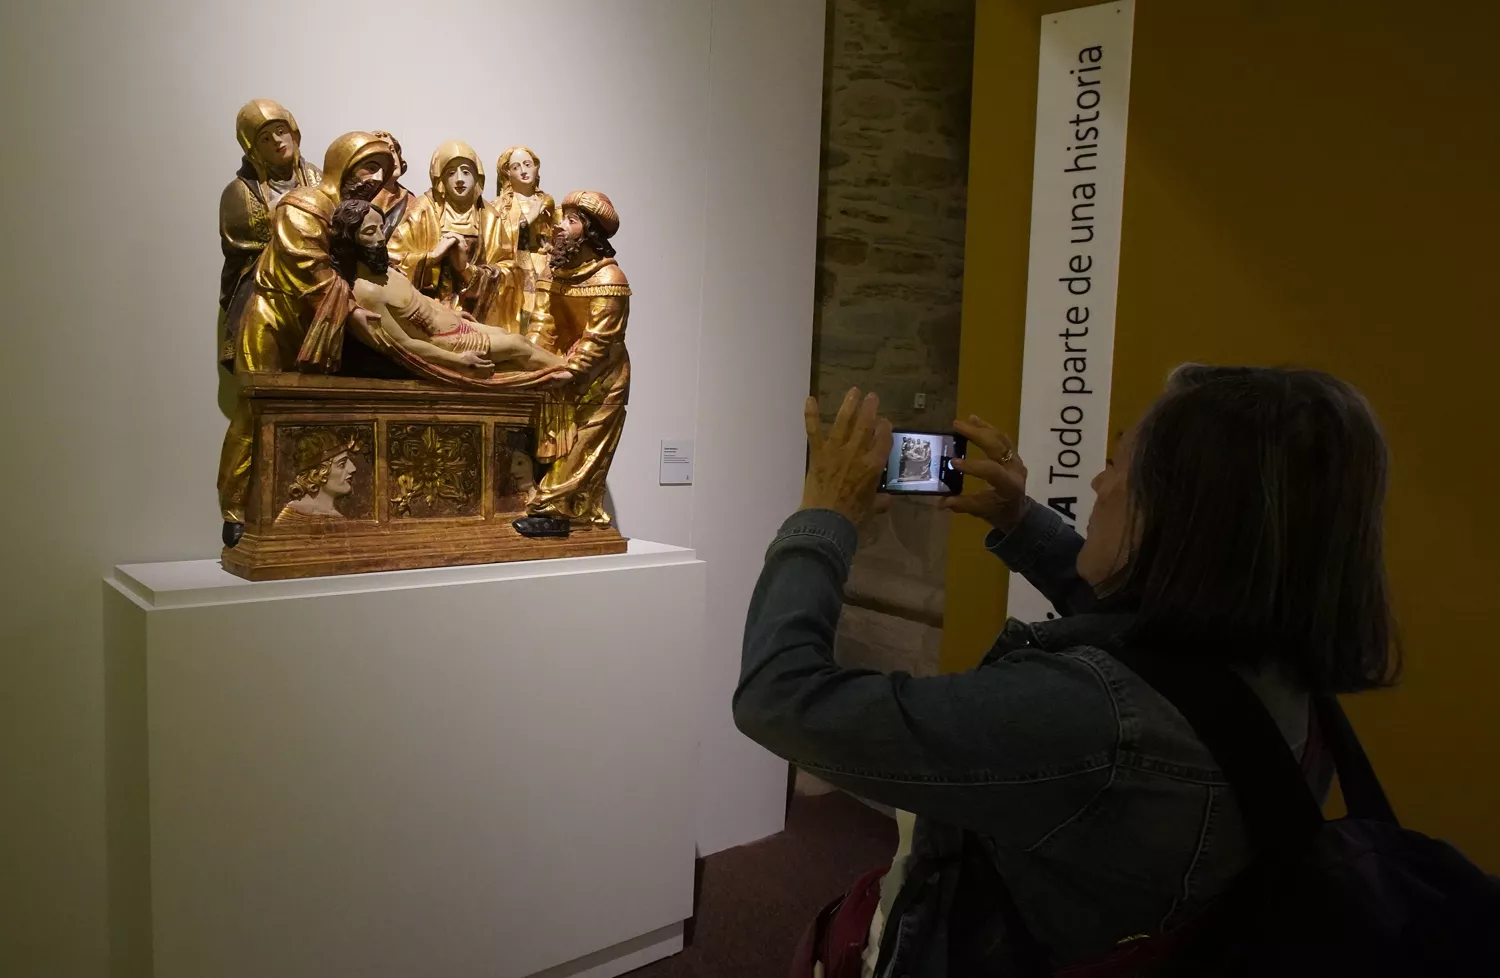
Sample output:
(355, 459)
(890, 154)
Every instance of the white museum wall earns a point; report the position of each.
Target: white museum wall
(700, 119)
(756, 356)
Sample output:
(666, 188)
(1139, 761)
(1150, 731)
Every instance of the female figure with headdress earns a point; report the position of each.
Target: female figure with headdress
(450, 235)
(272, 166)
(528, 216)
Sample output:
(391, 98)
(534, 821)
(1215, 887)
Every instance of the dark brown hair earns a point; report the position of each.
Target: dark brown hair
(343, 237)
(595, 235)
(1259, 496)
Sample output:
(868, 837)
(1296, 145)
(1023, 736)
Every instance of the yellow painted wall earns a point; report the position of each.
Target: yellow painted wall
(1311, 183)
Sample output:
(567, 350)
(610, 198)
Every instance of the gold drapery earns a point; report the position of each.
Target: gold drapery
(289, 277)
(245, 209)
(582, 313)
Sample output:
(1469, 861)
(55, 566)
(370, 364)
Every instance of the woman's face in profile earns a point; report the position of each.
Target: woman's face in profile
(1108, 540)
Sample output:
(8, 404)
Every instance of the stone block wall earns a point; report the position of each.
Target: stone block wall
(890, 281)
(891, 228)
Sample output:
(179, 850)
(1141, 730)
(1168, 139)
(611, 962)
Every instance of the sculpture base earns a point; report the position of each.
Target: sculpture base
(351, 475)
(347, 550)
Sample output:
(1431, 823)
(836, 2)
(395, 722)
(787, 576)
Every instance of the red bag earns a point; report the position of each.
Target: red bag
(838, 934)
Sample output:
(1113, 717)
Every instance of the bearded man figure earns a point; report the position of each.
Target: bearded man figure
(271, 168)
(581, 312)
(292, 318)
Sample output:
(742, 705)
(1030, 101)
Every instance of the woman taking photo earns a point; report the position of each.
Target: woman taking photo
(1239, 521)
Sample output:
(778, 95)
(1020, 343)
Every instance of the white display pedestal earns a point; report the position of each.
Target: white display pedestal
(463, 771)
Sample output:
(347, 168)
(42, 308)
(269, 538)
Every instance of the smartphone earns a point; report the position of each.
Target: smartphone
(921, 463)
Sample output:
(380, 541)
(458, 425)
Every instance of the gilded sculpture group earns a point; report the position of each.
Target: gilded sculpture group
(344, 270)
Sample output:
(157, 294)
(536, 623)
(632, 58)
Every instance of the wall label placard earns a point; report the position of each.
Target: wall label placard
(1078, 186)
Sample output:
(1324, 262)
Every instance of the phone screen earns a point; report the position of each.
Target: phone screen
(921, 462)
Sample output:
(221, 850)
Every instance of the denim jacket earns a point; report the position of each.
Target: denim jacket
(1102, 811)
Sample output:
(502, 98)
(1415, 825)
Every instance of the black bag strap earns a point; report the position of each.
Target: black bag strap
(1244, 740)
(1363, 796)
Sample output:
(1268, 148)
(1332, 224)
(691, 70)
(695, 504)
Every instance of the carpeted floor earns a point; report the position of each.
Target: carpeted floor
(754, 902)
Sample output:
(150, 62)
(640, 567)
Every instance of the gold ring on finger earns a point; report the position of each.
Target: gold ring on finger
(1006, 457)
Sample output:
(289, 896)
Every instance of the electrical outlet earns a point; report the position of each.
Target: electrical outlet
(919, 402)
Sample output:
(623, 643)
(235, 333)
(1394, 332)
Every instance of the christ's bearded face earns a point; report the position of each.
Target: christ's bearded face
(369, 242)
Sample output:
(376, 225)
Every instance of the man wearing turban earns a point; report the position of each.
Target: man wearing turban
(581, 313)
(293, 318)
(272, 167)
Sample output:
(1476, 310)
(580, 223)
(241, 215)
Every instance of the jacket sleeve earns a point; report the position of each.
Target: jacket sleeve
(1044, 550)
(1013, 748)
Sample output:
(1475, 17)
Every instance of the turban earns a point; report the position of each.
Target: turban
(596, 206)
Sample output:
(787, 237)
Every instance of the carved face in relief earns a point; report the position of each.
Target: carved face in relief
(521, 477)
(522, 170)
(341, 471)
(460, 182)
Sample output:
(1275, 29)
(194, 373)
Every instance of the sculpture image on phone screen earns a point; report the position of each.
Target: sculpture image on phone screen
(916, 459)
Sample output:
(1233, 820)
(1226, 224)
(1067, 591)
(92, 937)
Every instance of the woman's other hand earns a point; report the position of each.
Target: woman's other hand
(843, 471)
(1003, 502)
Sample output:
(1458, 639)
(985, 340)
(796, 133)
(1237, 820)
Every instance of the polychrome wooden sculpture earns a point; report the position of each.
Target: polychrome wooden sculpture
(442, 385)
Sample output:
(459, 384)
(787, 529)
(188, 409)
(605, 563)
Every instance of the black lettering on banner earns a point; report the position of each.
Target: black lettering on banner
(1078, 166)
(1083, 156)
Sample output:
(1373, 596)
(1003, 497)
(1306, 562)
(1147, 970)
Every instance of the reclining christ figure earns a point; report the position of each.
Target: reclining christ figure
(416, 323)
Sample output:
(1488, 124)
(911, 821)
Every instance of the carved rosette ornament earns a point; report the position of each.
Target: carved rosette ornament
(424, 379)
(436, 470)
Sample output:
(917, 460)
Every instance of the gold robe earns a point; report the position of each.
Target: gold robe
(290, 276)
(582, 313)
(245, 209)
(514, 303)
(425, 223)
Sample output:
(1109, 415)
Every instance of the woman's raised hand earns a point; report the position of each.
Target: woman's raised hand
(1003, 501)
(843, 470)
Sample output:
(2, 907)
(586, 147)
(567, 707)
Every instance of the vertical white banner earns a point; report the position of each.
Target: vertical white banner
(1083, 94)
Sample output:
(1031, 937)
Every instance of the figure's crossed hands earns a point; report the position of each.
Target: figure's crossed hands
(843, 471)
(1003, 501)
